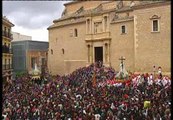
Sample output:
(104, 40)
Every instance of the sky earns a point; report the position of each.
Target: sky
(32, 18)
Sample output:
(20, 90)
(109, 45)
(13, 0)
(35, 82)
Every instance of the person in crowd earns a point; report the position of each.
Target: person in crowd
(73, 97)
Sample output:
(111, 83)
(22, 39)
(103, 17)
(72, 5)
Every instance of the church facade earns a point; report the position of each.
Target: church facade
(90, 31)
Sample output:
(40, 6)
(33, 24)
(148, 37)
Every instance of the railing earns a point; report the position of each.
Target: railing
(7, 34)
(7, 67)
(6, 49)
(4, 67)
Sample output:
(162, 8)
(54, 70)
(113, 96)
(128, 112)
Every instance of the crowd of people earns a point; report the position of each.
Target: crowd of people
(73, 97)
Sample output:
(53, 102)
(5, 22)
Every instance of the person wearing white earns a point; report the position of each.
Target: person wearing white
(97, 116)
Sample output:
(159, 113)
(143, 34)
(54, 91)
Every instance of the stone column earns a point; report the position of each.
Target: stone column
(105, 53)
(91, 53)
(108, 53)
(103, 24)
(92, 27)
(86, 26)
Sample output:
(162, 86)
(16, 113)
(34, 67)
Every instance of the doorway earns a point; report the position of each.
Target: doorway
(98, 54)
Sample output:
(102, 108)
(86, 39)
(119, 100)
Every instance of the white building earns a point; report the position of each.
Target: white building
(20, 37)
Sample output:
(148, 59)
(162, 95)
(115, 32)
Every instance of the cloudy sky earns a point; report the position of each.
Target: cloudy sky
(32, 18)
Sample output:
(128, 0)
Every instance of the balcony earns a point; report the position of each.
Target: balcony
(6, 49)
(98, 36)
(7, 34)
(7, 67)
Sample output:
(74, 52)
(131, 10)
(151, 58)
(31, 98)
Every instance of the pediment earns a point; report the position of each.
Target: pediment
(155, 17)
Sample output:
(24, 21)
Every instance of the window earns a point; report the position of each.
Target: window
(155, 23)
(123, 29)
(9, 32)
(62, 50)
(51, 51)
(155, 26)
(75, 32)
(33, 61)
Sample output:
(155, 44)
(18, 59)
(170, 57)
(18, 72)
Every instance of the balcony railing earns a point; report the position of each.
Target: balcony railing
(7, 34)
(7, 67)
(6, 49)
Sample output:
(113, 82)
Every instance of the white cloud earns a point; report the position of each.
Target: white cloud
(33, 17)
(36, 34)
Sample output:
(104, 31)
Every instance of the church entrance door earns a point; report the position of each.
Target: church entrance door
(98, 53)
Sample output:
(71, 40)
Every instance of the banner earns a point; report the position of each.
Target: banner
(147, 104)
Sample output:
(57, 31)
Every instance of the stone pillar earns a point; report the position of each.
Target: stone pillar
(89, 31)
(106, 23)
(103, 24)
(92, 27)
(108, 53)
(86, 26)
(91, 53)
(104, 53)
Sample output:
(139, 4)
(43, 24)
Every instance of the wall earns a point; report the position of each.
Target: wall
(74, 48)
(153, 48)
(19, 56)
(122, 45)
